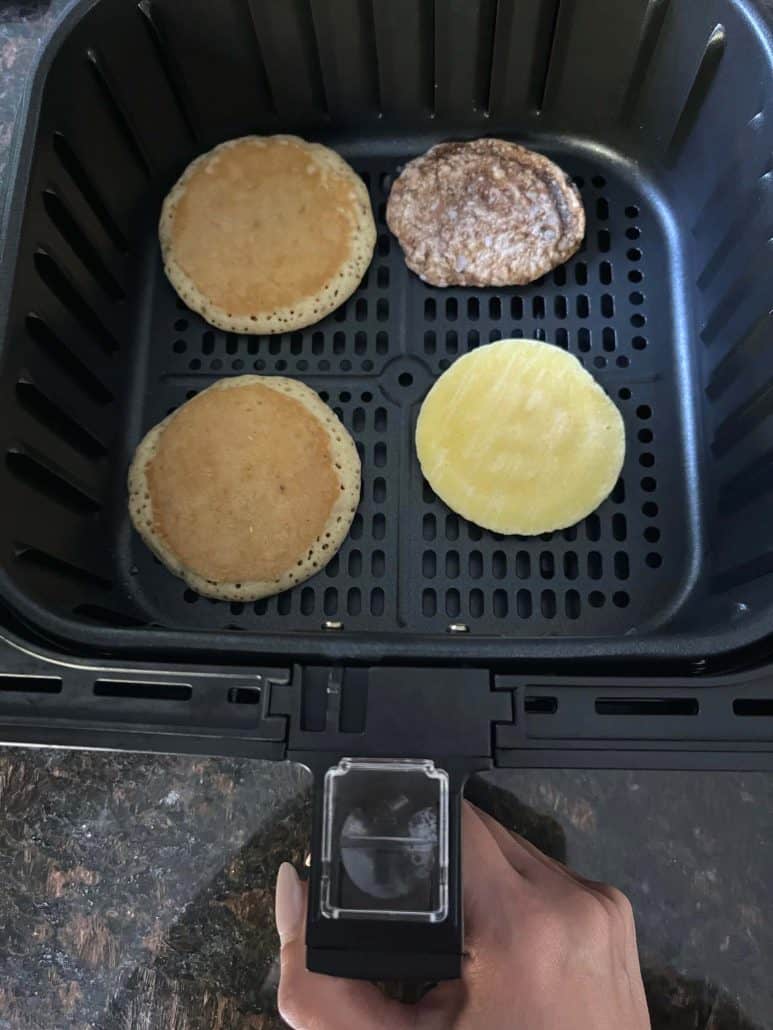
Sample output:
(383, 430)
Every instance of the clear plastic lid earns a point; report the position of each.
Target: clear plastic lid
(385, 840)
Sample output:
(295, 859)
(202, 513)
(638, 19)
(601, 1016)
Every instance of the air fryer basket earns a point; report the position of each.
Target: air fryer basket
(661, 111)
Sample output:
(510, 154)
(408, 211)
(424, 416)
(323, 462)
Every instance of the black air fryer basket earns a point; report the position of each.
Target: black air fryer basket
(425, 638)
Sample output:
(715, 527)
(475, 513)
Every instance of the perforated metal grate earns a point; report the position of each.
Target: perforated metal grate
(409, 564)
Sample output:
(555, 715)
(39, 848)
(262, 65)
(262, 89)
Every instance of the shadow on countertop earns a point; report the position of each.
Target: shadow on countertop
(215, 968)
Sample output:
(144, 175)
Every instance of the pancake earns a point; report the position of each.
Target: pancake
(484, 213)
(247, 489)
(517, 437)
(266, 234)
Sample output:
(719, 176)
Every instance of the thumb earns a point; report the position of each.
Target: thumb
(311, 999)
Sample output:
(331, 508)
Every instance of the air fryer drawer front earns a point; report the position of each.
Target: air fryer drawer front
(441, 712)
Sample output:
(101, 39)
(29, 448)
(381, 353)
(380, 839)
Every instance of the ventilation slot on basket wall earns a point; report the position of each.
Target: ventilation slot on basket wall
(405, 38)
(707, 71)
(736, 231)
(654, 17)
(60, 285)
(288, 57)
(50, 483)
(742, 421)
(752, 482)
(89, 192)
(73, 367)
(740, 355)
(57, 421)
(72, 233)
(169, 66)
(118, 111)
(545, 44)
(48, 563)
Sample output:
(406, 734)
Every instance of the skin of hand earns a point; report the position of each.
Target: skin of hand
(545, 949)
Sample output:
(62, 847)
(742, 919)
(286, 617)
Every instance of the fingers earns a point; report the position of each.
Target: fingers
(488, 877)
(526, 857)
(530, 862)
(290, 901)
(522, 856)
(310, 1001)
(623, 910)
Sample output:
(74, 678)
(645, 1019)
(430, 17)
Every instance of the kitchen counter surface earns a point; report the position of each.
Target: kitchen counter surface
(137, 890)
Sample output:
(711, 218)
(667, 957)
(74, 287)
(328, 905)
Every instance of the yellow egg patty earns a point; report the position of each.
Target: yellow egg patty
(518, 438)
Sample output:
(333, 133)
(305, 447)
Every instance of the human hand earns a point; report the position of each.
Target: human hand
(545, 949)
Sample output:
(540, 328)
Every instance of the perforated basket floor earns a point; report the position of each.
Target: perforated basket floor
(410, 566)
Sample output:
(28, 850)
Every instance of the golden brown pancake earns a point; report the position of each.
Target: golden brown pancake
(246, 489)
(266, 234)
(517, 437)
(484, 213)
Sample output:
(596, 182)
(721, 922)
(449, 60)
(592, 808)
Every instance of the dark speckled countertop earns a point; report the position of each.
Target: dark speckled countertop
(136, 891)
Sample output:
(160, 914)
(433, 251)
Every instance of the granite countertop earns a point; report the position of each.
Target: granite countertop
(137, 890)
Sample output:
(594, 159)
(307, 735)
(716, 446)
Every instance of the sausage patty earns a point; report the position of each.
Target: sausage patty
(484, 213)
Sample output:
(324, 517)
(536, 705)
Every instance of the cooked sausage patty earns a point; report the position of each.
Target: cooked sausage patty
(484, 213)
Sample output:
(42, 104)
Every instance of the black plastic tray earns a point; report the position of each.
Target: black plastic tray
(667, 304)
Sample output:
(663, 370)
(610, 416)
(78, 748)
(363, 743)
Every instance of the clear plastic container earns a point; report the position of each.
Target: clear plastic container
(385, 840)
